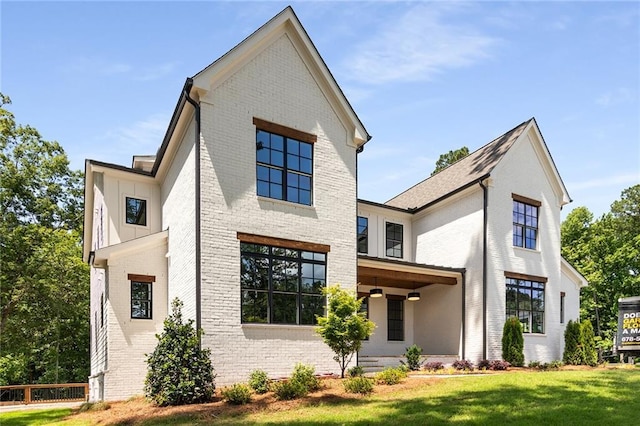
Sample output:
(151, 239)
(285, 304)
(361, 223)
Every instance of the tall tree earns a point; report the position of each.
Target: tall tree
(449, 158)
(43, 282)
(607, 252)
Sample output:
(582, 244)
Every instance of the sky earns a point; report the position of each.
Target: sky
(103, 78)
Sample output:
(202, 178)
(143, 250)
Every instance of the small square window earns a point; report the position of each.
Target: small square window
(136, 211)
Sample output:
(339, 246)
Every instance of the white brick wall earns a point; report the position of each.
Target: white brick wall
(275, 86)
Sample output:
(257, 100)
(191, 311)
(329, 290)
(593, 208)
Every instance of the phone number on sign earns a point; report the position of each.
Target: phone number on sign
(631, 339)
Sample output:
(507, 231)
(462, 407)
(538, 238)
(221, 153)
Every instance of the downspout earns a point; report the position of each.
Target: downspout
(464, 311)
(485, 191)
(198, 253)
(358, 151)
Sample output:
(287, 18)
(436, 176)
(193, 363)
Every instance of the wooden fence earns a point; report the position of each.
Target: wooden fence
(38, 394)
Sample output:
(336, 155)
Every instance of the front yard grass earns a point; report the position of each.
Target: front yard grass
(594, 396)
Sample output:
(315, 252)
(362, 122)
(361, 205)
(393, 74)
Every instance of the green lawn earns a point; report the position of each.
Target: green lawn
(597, 397)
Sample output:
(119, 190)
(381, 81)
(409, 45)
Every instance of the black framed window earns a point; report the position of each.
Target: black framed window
(136, 211)
(281, 285)
(363, 235)
(364, 309)
(395, 319)
(102, 310)
(525, 301)
(394, 239)
(141, 300)
(284, 168)
(562, 296)
(525, 225)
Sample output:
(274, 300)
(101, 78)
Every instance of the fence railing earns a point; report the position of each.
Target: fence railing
(37, 394)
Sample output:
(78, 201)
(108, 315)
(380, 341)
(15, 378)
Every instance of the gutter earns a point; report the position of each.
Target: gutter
(485, 191)
(187, 88)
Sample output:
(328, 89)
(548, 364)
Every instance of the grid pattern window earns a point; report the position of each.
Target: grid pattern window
(363, 235)
(395, 320)
(525, 225)
(284, 168)
(280, 285)
(394, 239)
(364, 309)
(136, 211)
(525, 301)
(141, 300)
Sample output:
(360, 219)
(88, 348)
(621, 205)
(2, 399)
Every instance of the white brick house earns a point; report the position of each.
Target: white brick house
(249, 209)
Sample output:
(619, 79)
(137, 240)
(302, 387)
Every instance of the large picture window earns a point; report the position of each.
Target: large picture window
(525, 222)
(281, 285)
(394, 239)
(284, 163)
(525, 301)
(363, 235)
(395, 319)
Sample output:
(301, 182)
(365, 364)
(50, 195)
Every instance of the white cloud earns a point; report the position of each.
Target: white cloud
(421, 43)
(615, 97)
(614, 180)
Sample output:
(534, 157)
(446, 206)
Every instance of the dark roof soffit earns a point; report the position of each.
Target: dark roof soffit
(120, 168)
(418, 265)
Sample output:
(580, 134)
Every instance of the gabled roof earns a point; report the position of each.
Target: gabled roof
(472, 169)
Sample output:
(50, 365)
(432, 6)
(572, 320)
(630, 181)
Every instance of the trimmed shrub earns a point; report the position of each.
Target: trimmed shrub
(389, 376)
(588, 343)
(534, 364)
(434, 366)
(572, 349)
(355, 371)
(289, 389)
(513, 342)
(484, 364)
(555, 365)
(358, 384)
(237, 394)
(462, 365)
(499, 365)
(179, 370)
(259, 381)
(413, 354)
(304, 374)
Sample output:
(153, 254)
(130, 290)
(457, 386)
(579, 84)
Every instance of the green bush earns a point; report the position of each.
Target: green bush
(588, 343)
(259, 381)
(413, 354)
(358, 384)
(389, 376)
(355, 371)
(288, 389)
(304, 374)
(573, 354)
(179, 371)
(237, 394)
(513, 342)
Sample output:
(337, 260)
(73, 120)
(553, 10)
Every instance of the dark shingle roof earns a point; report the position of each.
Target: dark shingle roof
(470, 169)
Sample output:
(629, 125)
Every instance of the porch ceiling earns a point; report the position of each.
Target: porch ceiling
(396, 274)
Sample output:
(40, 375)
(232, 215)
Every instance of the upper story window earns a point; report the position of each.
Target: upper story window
(525, 222)
(136, 211)
(363, 235)
(284, 163)
(281, 285)
(141, 296)
(394, 239)
(525, 301)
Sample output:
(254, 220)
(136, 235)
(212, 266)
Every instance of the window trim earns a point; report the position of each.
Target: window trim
(285, 131)
(386, 239)
(364, 234)
(146, 210)
(141, 279)
(562, 306)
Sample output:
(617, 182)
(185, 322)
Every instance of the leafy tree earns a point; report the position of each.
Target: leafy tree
(513, 342)
(179, 370)
(345, 327)
(449, 158)
(607, 252)
(573, 353)
(44, 319)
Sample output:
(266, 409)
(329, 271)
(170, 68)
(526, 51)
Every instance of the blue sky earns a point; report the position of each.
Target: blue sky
(103, 78)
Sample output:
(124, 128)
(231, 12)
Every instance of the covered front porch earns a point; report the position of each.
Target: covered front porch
(410, 303)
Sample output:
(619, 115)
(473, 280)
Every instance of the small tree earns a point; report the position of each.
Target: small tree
(179, 371)
(588, 343)
(513, 342)
(345, 327)
(572, 348)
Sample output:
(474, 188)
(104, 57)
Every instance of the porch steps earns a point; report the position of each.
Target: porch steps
(373, 364)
